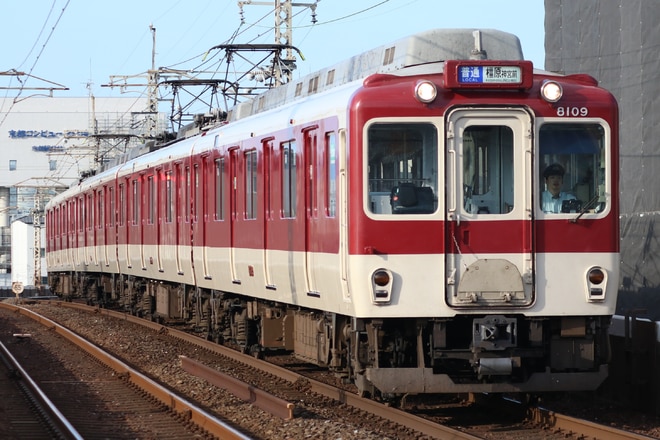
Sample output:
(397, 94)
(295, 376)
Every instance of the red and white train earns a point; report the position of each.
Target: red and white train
(384, 217)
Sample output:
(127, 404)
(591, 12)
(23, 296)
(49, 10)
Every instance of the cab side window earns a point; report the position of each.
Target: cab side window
(402, 168)
(572, 168)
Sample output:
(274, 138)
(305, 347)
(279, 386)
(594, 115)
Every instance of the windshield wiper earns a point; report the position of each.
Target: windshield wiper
(585, 208)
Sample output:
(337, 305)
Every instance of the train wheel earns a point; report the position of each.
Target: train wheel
(256, 351)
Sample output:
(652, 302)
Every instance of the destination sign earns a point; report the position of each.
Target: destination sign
(490, 75)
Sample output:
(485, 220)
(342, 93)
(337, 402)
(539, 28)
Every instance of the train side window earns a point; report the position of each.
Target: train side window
(402, 168)
(77, 216)
(169, 199)
(194, 193)
(151, 200)
(330, 174)
(203, 192)
(136, 202)
(100, 201)
(186, 197)
(122, 204)
(488, 175)
(90, 211)
(81, 214)
(49, 230)
(572, 172)
(311, 174)
(219, 188)
(267, 148)
(288, 154)
(72, 216)
(180, 192)
(111, 209)
(251, 184)
(84, 213)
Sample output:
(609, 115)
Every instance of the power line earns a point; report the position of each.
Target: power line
(29, 74)
(43, 27)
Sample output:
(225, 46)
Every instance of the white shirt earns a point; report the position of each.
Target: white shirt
(552, 204)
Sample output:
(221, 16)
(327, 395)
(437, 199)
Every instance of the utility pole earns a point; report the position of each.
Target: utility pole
(152, 112)
(153, 77)
(95, 128)
(36, 224)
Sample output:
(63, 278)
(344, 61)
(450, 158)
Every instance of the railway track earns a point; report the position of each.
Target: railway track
(26, 410)
(293, 385)
(100, 395)
(296, 391)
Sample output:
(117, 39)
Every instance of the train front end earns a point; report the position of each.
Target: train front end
(483, 221)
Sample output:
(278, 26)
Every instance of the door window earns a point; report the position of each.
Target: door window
(488, 177)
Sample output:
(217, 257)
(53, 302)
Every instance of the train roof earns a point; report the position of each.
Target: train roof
(416, 54)
(433, 46)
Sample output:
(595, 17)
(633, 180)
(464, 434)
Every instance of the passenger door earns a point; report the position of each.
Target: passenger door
(312, 224)
(233, 207)
(489, 247)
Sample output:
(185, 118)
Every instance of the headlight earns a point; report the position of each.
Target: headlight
(425, 91)
(551, 91)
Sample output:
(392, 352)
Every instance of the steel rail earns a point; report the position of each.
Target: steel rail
(195, 414)
(540, 416)
(402, 418)
(52, 414)
(584, 428)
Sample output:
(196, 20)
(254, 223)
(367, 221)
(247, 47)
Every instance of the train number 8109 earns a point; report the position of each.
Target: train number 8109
(572, 111)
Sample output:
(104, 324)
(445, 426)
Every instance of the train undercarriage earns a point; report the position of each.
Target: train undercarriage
(385, 358)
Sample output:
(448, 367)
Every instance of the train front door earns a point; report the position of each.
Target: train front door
(489, 255)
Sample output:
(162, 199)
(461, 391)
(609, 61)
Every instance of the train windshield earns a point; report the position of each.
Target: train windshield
(572, 168)
(403, 168)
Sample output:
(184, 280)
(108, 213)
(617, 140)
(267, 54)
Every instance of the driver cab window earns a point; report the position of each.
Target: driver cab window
(572, 168)
(488, 177)
(402, 168)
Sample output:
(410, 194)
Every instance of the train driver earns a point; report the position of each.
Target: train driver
(553, 196)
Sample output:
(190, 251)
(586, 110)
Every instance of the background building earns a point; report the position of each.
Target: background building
(46, 144)
(618, 42)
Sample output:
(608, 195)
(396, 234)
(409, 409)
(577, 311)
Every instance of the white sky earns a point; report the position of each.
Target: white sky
(81, 43)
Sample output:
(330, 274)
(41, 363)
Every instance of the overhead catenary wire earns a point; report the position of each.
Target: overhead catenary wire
(37, 58)
(210, 61)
